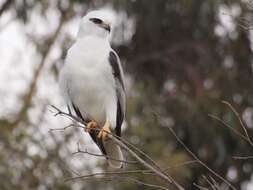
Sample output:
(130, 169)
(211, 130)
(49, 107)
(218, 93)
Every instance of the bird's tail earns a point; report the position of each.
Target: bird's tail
(110, 149)
(114, 153)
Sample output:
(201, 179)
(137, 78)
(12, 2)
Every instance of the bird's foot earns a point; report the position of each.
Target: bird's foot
(105, 131)
(91, 126)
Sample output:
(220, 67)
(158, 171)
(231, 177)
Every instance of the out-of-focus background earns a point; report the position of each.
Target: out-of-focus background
(181, 58)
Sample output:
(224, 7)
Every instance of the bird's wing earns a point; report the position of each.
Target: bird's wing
(120, 90)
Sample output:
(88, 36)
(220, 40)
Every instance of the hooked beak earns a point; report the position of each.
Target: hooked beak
(106, 26)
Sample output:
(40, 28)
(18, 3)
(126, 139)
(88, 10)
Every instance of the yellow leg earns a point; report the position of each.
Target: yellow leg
(105, 131)
(90, 126)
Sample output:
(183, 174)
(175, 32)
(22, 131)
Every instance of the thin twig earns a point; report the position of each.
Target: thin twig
(73, 171)
(209, 182)
(104, 156)
(145, 172)
(200, 187)
(62, 129)
(141, 152)
(74, 118)
(200, 162)
(70, 116)
(107, 173)
(142, 183)
(181, 164)
(216, 185)
(240, 120)
(242, 157)
(125, 145)
(122, 178)
(228, 126)
(159, 173)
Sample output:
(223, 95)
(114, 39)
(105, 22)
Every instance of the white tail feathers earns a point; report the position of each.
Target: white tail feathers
(114, 153)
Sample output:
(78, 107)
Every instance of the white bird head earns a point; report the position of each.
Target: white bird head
(97, 23)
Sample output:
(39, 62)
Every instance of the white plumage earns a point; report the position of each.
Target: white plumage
(91, 82)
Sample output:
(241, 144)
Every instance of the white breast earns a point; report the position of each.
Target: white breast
(87, 80)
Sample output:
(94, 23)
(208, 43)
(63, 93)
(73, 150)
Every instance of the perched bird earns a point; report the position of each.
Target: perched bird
(92, 82)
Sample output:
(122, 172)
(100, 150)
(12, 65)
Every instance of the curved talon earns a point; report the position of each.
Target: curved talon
(105, 131)
(90, 126)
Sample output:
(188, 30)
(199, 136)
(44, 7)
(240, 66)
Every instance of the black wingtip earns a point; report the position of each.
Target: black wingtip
(98, 141)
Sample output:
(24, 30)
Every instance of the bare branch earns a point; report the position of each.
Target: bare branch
(141, 152)
(240, 120)
(62, 129)
(107, 173)
(158, 172)
(74, 172)
(142, 183)
(120, 178)
(199, 161)
(200, 187)
(213, 184)
(242, 157)
(145, 172)
(228, 126)
(128, 147)
(181, 164)
(102, 155)
(68, 115)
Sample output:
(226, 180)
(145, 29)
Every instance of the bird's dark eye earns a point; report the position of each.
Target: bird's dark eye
(96, 20)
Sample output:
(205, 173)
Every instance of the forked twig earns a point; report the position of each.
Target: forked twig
(159, 173)
(144, 172)
(141, 152)
(211, 182)
(228, 126)
(200, 187)
(62, 129)
(199, 161)
(129, 148)
(240, 120)
(244, 136)
(79, 151)
(68, 115)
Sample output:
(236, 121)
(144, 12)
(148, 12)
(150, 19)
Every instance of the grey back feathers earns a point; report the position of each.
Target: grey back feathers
(114, 61)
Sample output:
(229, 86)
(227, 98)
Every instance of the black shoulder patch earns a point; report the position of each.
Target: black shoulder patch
(115, 67)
